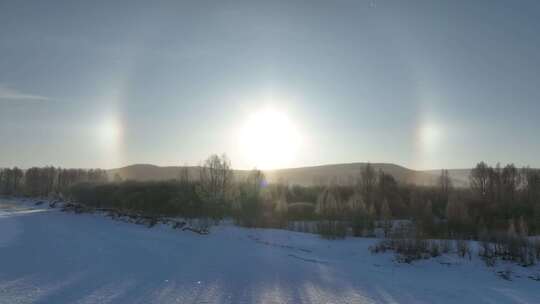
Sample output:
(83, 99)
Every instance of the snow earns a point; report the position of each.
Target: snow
(47, 256)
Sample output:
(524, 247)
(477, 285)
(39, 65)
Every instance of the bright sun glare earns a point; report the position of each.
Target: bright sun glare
(429, 136)
(109, 132)
(269, 140)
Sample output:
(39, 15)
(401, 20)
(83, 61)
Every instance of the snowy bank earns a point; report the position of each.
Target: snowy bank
(57, 257)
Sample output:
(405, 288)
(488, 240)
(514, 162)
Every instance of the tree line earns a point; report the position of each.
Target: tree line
(497, 197)
(45, 181)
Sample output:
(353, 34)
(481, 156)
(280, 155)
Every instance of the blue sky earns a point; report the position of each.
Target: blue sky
(424, 84)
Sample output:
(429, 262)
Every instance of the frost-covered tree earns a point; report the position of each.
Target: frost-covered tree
(330, 210)
(215, 182)
(328, 203)
(356, 203)
(359, 214)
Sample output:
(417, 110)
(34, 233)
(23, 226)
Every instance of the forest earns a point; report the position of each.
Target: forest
(500, 201)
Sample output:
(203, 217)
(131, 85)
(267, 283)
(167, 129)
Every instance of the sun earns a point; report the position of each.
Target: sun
(268, 139)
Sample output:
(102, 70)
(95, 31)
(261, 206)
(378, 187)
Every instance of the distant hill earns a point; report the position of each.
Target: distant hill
(341, 173)
(346, 174)
(145, 172)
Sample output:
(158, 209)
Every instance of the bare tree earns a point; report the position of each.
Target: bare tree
(248, 200)
(479, 179)
(494, 185)
(457, 215)
(215, 179)
(445, 185)
(183, 175)
(523, 228)
(456, 211)
(428, 212)
(387, 188)
(117, 178)
(510, 182)
(531, 184)
(10, 180)
(367, 183)
(386, 217)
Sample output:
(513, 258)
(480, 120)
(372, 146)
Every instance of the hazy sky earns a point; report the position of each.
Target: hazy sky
(424, 84)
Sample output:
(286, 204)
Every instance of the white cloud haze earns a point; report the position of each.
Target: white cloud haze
(12, 94)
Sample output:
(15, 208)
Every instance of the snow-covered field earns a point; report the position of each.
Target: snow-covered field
(47, 256)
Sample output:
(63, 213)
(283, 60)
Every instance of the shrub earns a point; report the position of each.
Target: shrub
(446, 246)
(168, 198)
(463, 248)
(408, 247)
(434, 248)
(332, 229)
(510, 247)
